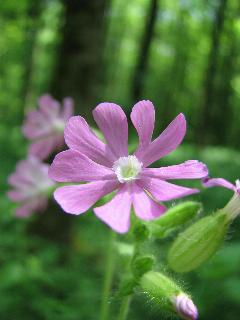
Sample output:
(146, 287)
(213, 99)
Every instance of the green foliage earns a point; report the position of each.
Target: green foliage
(42, 277)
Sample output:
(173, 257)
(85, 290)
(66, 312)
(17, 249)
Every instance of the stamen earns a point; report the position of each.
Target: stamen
(127, 168)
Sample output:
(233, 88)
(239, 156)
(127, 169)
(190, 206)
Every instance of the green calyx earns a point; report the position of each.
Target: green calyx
(159, 287)
(174, 218)
(198, 243)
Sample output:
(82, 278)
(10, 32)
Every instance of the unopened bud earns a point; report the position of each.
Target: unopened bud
(173, 218)
(168, 295)
(185, 307)
(198, 243)
(159, 287)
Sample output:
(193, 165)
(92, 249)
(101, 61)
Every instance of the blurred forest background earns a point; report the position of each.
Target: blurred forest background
(182, 55)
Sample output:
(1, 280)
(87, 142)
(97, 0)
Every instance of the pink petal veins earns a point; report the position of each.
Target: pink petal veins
(72, 166)
(80, 137)
(145, 207)
(165, 191)
(77, 199)
(116, 213)
(112, 121)
(143, 118)
(168, 141)
(190, 169)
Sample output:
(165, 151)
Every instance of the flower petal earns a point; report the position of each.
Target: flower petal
(67, 108)
(17, 195)
(191, 169)
(35, 125)
(116, 213)
(165, 191)
(30, 207)
(217, 182)
(143, 117)
(145, 207)
(80, 137)
(72, 166)
(112, 121)
(77, 199)
(168, 141)
(42, 147)
(50, 107)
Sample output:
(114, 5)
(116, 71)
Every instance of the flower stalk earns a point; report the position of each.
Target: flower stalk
(232, 208)
(108, 277)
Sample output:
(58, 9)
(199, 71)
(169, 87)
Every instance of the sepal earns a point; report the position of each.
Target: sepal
(174, 218)
(198, 243)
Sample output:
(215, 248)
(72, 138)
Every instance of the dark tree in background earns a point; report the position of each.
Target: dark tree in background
(207, 118)
(33, 13)
(177, 72)
(77, 74)
(222, 112)
(144, 48)
(81, 51)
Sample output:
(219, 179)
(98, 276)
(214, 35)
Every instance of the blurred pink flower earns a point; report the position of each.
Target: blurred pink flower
(30, 184)
(109, 167)
(44, 127)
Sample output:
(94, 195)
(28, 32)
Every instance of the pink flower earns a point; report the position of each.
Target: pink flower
(220, 182)
(185, 307)
(108, 167)
(44, 127)
(30, 184)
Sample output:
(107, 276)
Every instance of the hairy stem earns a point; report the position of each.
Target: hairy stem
(124, 307)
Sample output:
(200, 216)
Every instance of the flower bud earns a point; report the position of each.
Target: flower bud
(173, 218)
(168, 294)
(198, 243)
(185, 307)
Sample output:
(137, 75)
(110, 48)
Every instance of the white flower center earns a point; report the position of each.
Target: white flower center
(127, 168)
(58, 125)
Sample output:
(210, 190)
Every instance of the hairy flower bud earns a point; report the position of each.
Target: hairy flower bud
(198, 243)
(173, 218)
(168, 294)
(185, 307)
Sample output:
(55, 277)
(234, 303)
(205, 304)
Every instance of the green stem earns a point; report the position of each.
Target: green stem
(108, 277)
(123, 312)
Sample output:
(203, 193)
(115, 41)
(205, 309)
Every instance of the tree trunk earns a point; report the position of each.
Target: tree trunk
(177, 74)
(141, 65)
(81, 53)
(223, 113)
(79, 61)
(205, 121)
